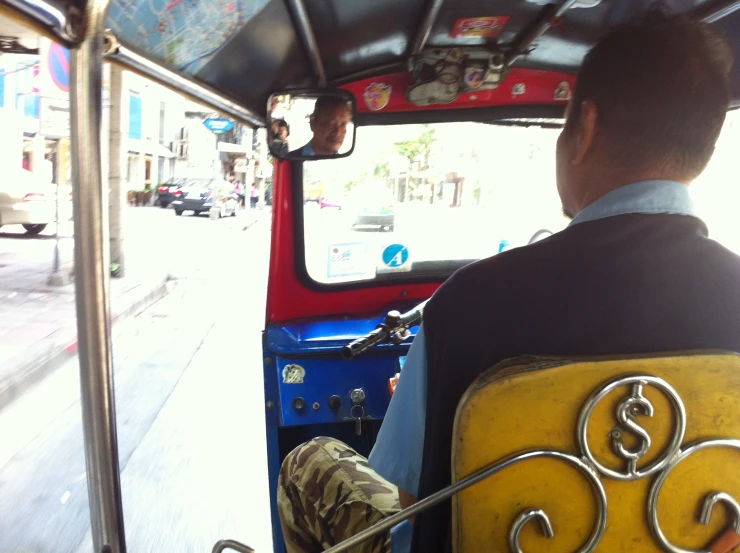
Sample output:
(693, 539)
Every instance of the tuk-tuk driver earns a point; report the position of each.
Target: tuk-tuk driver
(329, 120)
(634, 272)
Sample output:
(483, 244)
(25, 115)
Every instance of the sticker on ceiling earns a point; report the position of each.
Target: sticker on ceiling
(474, 77)
(562, 92)
(377, 95)
(479, 27)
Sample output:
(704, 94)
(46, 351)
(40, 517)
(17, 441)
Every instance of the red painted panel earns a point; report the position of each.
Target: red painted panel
(288, 299)
(520, 87)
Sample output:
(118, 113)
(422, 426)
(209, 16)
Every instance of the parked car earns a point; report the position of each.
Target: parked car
(198, 195)
(24, 200)
(378, 213)
(166, 191)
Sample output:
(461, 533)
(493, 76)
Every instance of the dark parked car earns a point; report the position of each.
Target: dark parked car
(198, 195)
(376, 213)
(166, 192)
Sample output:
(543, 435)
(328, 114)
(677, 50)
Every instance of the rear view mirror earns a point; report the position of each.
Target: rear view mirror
(311, 124)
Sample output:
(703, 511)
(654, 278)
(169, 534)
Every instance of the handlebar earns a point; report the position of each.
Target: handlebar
(395, 327)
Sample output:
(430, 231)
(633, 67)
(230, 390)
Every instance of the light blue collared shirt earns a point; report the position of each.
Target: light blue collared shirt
(398, 451)
(308, 150)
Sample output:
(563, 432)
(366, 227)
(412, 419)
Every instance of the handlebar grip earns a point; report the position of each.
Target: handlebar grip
(356, 347)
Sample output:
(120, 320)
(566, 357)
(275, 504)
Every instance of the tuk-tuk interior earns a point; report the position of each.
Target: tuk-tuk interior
(439, 176)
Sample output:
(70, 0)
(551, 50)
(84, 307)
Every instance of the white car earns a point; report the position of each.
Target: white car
(24, 200)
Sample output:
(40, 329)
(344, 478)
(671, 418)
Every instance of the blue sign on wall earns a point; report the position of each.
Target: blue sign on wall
(218, 126)
(58, 62)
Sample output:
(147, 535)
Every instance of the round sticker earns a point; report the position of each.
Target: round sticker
(395, 255)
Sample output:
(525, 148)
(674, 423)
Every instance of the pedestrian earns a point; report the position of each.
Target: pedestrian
(254, 196)
(239, 189)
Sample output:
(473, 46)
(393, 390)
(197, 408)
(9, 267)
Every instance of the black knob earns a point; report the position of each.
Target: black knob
(335, 402)
(299, 404)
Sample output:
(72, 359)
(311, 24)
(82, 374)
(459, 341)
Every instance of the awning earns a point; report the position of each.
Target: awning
(149, 148)
(163, 151)
(230, 148)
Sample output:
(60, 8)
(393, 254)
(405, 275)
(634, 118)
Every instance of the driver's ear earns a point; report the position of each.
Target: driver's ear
(587, 127)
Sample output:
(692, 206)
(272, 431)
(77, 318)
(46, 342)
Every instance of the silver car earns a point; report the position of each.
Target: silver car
(25, 200)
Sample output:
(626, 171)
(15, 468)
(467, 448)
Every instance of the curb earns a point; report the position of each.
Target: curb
(63, 346)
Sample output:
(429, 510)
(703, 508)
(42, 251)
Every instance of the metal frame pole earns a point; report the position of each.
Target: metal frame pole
(92, 281)
(305, 31)
(422, 33)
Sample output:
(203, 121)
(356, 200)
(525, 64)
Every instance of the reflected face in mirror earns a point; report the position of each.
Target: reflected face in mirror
(282, 131)
(329, 125)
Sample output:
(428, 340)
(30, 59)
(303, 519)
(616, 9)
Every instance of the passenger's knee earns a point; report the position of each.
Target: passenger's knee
(299, 457)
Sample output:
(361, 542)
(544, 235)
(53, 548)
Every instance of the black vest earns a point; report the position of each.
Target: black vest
(621, 285)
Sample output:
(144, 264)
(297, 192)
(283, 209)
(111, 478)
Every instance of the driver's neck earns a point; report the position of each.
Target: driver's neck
(319, 150)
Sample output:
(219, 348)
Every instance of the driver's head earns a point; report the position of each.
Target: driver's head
(650, 102)
(331, 115)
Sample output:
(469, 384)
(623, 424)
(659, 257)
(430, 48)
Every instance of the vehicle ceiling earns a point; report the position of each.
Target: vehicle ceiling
(246, 49)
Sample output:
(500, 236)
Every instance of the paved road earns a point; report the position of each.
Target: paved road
(190, 416)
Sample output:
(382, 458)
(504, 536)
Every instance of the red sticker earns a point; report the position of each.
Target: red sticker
(479, 27)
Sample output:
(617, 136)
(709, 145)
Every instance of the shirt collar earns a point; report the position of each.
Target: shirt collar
(650, 196)
(308, 149)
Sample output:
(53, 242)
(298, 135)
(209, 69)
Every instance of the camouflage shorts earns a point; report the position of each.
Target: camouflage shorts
(327, 492)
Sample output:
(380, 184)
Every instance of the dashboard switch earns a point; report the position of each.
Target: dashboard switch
(299, 404)
(335, 402)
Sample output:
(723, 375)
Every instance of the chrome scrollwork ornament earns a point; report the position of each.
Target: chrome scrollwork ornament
(710, 501)
(628, 409)
(522, 520)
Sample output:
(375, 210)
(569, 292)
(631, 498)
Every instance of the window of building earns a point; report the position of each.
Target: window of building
(161, 122)
(134, 118)
(27, 96)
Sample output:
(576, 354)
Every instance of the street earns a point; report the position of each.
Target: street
(189, 405)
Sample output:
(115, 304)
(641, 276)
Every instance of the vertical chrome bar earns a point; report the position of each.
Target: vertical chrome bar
(550, 14)
(305, 31)
(92, 272)
(424, 30)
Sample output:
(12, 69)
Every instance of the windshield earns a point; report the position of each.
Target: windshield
(424, 200)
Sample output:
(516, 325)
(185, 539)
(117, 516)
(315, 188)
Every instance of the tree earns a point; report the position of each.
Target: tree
(382, 171)
(418, 150)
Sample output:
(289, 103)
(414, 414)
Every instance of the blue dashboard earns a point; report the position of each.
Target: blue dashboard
(311, 390)
(315, 384)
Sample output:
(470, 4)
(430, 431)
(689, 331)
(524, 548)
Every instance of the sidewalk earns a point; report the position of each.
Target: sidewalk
(38, 327)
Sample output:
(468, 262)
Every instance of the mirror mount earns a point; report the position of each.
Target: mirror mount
(311, 124)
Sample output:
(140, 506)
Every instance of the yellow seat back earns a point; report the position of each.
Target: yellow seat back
(573, 436)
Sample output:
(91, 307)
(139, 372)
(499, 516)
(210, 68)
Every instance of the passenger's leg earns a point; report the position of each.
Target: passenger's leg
(327, 492)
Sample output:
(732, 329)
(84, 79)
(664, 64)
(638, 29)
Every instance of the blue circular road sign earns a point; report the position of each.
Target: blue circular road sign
(395, 255)
(58, 63)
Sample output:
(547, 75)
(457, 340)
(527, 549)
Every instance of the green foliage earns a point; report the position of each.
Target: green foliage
(419, 148)
(382, 171)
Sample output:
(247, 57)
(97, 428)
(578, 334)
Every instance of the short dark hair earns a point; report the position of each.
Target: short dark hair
(284, 123)
(661, 89)
(329, 100)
